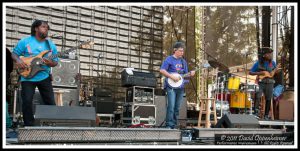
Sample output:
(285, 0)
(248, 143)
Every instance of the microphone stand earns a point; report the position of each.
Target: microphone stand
(246, 88)
(98, 75)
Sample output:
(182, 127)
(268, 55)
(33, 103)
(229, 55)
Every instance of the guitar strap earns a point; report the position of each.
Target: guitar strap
(50, 74)
(48, 43)
(183, 65)
(269, 68)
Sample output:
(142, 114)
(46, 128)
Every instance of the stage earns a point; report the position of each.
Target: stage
(43, 135)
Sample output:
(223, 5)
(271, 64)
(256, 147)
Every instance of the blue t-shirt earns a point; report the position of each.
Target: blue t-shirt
(266, 65)
(172, 64)
(30, 47)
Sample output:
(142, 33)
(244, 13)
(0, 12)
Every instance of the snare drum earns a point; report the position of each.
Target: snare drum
(225, 105)
(239, 99)
(233, 83)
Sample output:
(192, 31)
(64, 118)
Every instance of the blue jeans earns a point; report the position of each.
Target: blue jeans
(174, 99)
(8, 120)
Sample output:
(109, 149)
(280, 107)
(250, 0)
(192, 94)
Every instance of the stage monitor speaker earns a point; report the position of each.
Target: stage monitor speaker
(161, 111)
(64, 74)
(237, 121)
(75, 116)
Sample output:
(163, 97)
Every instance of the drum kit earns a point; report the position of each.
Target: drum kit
(232, 95)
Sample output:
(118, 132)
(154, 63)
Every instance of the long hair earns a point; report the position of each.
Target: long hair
(37, 23)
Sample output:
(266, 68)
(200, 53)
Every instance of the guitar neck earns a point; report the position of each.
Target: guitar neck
(187, 74)
(79, 46)
(70, 50)
(52, 56)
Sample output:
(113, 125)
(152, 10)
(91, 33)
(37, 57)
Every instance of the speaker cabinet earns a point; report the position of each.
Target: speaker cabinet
(102, 92)
(103, 105)
(237, 121)
(75, 116)
(161, 111)
(64, 74)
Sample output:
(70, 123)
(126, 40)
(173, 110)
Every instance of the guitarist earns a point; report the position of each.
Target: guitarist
(29, 47)
(174, 63)
(264, 68)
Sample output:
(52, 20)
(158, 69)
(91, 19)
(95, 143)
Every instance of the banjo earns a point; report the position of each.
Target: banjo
(180, 82)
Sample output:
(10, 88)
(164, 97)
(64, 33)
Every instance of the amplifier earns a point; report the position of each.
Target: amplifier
(139, 114)
(102, 92)
(64, 74)
(137, 78)
(161, 111)
(103, 105)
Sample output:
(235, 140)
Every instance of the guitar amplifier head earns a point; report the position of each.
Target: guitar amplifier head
(64, 74)
(138, 78)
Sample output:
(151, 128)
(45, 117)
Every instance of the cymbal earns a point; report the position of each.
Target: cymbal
(216, 64)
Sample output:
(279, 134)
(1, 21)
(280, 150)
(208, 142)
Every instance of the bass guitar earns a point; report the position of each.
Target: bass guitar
(34, 64)
(269, 75)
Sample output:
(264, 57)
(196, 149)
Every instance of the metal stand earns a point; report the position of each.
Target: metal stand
(246, 89)
(15, 105)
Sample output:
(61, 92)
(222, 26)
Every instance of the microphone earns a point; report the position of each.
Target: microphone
(56, 36)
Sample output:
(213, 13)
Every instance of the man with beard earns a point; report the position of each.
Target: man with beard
(32, 46)
(264, 68)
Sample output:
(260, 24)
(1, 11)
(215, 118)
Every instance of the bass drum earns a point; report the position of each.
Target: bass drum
(239, 100)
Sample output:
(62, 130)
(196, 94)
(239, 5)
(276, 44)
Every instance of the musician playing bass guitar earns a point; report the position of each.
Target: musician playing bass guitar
(265, 69)
(174, 64)
(30, 47)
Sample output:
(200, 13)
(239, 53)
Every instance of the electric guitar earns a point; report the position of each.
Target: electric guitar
(34, 63)
(180, 82)
(269, 75)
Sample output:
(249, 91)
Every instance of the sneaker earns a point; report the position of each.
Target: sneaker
(12, 134)
(266, 118)
(168, 127)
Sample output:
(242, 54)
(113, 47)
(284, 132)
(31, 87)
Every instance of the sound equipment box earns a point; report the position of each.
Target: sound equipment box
(137, 78)
(102, 92)
(103, 105)
(237, 121)
(139, 114)
(140, 95)
(64, 74)
(75, 116)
